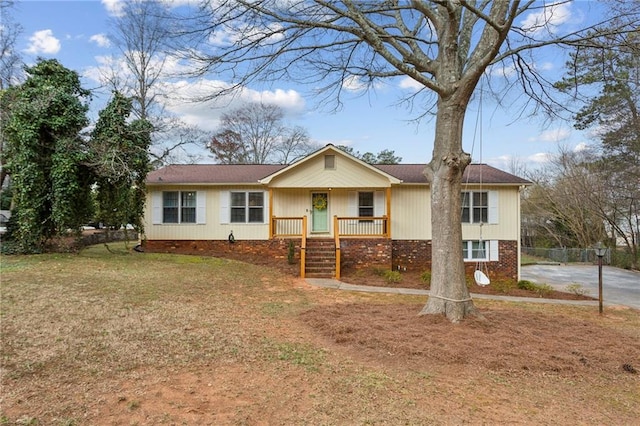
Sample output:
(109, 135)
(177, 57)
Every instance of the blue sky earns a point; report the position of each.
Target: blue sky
(77, 34)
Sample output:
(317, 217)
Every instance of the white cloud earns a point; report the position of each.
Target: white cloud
(411, 84)
(353, 83)
(101, 40)
(43, 42)
(554, 135)
(246, 33)
(540, 157)
(547, 18)
(114, 7)
(206, 114)
(583, 146)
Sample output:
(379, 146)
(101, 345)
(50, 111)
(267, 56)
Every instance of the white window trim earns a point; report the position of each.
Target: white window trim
(157, 207)
(492, 207)
(491, 252)
(225, 207)
(378, 203)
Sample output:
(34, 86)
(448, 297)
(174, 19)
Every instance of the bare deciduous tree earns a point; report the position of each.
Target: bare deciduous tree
(581, 198)
(141, 34)
(445, 46)
(256, 134)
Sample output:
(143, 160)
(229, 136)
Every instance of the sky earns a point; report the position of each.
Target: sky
(76, 33)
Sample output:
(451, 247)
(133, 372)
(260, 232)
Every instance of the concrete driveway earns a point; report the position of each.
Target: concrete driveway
(619, 286)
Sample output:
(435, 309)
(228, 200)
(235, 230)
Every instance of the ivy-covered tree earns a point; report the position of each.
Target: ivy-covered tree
(46, 155)
(119, 158)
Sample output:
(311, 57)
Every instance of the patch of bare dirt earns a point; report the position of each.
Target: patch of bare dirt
(515, 340)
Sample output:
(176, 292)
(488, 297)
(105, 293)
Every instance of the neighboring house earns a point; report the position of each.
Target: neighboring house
(338, 211)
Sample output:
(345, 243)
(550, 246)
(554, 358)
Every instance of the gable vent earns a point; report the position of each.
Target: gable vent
(329, 162)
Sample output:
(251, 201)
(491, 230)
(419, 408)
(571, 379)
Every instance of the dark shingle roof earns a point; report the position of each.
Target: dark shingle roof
(212, 173)
(474, 173)
(251, 173)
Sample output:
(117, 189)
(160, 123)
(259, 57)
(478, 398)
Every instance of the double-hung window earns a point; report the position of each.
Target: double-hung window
(365, 204)
(480, 250)
(179, 206)
(475, 207)
(475, 250)
(247, 207)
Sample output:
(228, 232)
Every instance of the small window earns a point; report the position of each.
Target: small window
(247, 207)
(365, 204)
(475, 207)
(329, 162)
(475, 250)
(179, 207)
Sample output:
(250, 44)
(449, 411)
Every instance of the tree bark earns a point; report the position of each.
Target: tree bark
(449, 294)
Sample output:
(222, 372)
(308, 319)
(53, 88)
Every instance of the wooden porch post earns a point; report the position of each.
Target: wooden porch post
(303, 247)
(336, 236)
(271, 224)
(388, 230)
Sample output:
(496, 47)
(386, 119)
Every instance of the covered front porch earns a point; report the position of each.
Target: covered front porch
(322, 254)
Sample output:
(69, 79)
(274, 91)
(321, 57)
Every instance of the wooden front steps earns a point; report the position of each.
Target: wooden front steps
(320, 258)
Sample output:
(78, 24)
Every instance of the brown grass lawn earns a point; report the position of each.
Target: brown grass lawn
(130, 338)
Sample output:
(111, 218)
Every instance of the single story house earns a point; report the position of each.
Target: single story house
(332, 210)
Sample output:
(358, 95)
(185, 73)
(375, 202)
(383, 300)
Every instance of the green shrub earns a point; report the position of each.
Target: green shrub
(502, 285)
(426, 277)
(540, 289)
(526, 285)
(381, 272)
(291, 253)
(392, 276)
(543, 290)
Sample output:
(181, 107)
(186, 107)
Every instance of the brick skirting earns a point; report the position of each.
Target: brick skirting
(250, 249)
(415, 255)
(355, 253)
(361, 253)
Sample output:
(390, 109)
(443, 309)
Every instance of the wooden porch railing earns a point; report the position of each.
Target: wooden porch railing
(357, 227)
(282, 227)
(361, 226)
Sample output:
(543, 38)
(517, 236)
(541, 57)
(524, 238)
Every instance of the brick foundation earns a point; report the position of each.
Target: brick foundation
(415, 255)
(412, 255)
(276, 249)
(355, 253)
(360, 253)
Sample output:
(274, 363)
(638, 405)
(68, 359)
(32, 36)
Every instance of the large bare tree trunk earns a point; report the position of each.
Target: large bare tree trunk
(449, 294)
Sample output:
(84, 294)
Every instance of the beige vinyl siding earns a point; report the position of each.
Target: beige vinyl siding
(212, 229)
(297, 203)
(346, 174)
(508, 226)
(291, 202)
(410, 212)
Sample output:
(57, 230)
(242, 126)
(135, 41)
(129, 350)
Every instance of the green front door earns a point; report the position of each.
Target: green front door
(320, 212)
